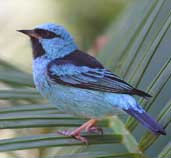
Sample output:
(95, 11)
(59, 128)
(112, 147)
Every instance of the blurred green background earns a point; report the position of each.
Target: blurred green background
(132, 38)
(84, 19)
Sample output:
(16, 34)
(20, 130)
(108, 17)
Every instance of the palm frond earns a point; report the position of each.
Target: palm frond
(139, 50)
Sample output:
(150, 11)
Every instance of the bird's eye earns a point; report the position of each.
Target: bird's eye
(46, 34)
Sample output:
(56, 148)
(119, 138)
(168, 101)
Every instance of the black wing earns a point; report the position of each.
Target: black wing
(81, 70)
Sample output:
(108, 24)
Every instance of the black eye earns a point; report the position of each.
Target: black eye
(46, 34)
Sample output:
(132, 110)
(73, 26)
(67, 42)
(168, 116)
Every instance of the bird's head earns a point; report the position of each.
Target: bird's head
(50, 40)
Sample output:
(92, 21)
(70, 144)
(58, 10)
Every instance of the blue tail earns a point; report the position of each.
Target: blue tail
(147, 121)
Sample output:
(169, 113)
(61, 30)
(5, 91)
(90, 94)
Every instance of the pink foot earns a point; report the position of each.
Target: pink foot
(95, 129)
(74, 135)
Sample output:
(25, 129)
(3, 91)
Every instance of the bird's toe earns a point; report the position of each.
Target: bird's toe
(95, 129)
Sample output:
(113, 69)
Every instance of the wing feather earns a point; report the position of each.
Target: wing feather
(91, 79)
(83, 71)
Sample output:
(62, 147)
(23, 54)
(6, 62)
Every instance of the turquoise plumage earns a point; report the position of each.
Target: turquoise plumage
(77, 83)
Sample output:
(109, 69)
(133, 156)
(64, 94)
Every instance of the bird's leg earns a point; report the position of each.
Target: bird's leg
(87, 126)
(91, 128)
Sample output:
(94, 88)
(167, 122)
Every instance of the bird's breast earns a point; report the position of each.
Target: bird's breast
(39, 66)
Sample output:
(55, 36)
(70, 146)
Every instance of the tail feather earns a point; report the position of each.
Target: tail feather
(147, 121)
(140, 93)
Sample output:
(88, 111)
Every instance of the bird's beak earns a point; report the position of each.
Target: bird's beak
(30, 33)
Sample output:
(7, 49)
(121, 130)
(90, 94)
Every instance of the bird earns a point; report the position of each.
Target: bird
(77, 83)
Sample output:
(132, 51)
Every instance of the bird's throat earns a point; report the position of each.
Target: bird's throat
(37, 48)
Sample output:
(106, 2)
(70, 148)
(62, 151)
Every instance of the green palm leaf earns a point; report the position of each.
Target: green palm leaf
(138, 49)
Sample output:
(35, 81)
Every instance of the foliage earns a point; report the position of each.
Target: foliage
(138, 49)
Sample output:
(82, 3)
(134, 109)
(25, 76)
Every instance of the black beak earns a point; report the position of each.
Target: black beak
(30, 33)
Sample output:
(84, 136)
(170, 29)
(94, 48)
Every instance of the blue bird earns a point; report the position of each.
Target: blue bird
(77, 83)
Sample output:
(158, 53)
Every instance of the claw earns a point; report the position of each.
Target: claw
(74, 135)
(88, 127)
(64, 132)
(94, 129)
(80, 138)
